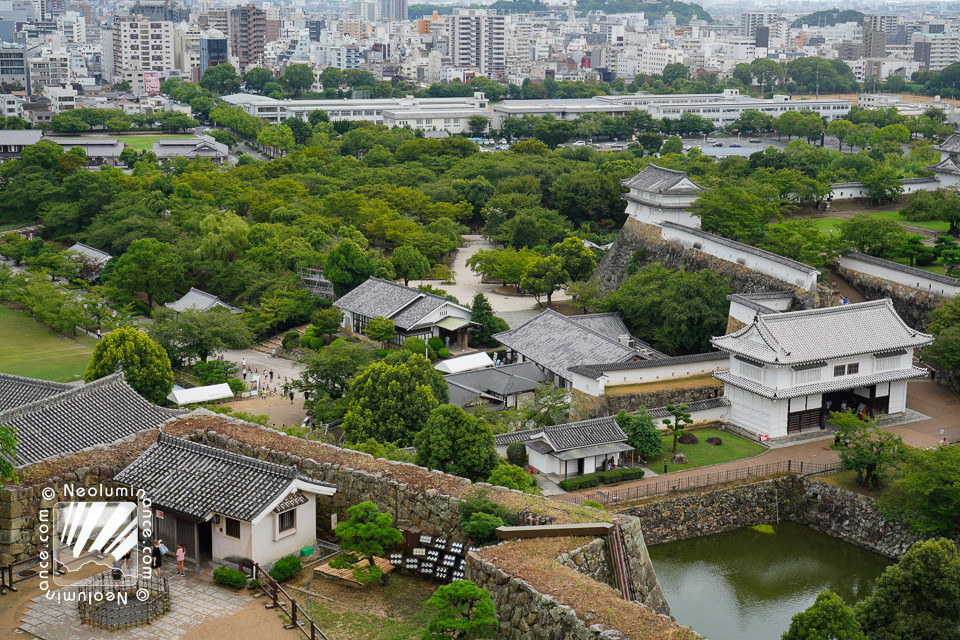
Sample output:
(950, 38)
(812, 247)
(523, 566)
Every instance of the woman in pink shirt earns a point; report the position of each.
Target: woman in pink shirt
(181, 554)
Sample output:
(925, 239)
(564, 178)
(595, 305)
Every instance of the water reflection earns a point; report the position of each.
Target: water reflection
(745, 585)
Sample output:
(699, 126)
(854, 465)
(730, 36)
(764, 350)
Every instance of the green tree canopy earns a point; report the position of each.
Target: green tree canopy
(544, 276)
(221, 79)
(195, 334)
(926, 493)
(150, 266)
(829, 618)
(578, 260)
(257, 78)
(461, 609)
(642, 434)
(871, 235)
(380, 329)
(299, 77)
(866, 449)
(348, 266)
(409, 264)
(482, 314)
(327, 373)
(146, 366)
(367, 533)
(458, 443)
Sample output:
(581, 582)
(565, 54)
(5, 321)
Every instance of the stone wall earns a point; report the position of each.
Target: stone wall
(834, 511)
(584, 406)
(638, 236)
(592, 560)
(912, 304)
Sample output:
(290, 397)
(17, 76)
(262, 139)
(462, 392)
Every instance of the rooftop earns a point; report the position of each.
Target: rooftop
(404, 305)
(16, 391)
(896, 266)
(654, 179)
(200, 300)
(595, 371)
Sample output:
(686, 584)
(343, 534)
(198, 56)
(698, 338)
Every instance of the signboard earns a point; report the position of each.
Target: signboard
(764, 438)
(159, 514)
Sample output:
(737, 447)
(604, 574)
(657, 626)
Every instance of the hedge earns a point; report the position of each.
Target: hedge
(232, 577)
(285, 567)
(604, 477)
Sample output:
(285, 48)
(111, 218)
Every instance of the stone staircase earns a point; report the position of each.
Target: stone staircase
(276, 342)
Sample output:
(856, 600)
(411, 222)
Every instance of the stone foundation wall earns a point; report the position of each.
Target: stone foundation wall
(584, 406)
(592, 560)
(912, 304)
(636, 236)
(831, 510)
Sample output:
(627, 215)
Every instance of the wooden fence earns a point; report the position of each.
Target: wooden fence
(669, 485)
(22, 570)
(129, 601)
(281, 599)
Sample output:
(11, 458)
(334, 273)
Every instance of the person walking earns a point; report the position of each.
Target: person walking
(291, 397)
(244, 362)
(157, 557)
(939, 376)
(181, 554)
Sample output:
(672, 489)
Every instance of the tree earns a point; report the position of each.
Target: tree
(544, 276)
(489, 324)
(800, 240)
(675, 71)
(866, 449)
(146, 366)
(8, 452)
(917, 598)
(327, 321)
(926, 494)
(578, 260)
(457, 443)
(642, 434)
(550, 405)
(409, 264)
(744, 73)
(278, 137)
(348, 266)
(912, 248)
(517, 454)
(257, 78)
(331, 78)
(392, 400)
(840, 129)
(673, 145)
(150, 266)
(477, 125)
(365, 534)
(193, 333)
(299, 77)
(221, 79)
(586, 295)
(676, 425)
(461, 609)
(882, 183)
(871, 235)
(512, 477)
(327, 373)
(829, 618)
(380, 329)
(736, 212)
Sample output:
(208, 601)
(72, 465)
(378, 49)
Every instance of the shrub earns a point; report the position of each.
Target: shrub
(478, 502)
(305, 341)
(482, 527)
(285, 567)
(232, 577)
(291, 339)
(443, 353)
(253, 584)
(517, 453)
(619, 475)
(594, 504)
(236, 386)
(436, 344)
(316, 343)
(433, 354)
(382, 353)
(417, 345)
(580, 482)
(511, 477)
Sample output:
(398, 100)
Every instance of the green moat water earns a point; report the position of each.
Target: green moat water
(745, 585)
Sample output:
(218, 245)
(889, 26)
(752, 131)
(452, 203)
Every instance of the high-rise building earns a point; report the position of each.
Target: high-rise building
(142, 44)
(169, 10)
(248, 36)
(14, 65)
(478, 39)
(393, 9)
(936, 52)
(887, 24)
(874, 43)
(213, 49)
(750, 20)
(12, 12)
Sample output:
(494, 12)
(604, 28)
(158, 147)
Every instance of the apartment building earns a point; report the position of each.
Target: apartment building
(213, 50)
(248, 36)
(49, 68)
(478, 39)
(393, 9)
(14, 65)
(934, 52)
(140, 44)
(750, 20)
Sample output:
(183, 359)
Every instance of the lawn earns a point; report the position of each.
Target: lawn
(829, 225)
(139, 142)
(703, 454)
(29, 349)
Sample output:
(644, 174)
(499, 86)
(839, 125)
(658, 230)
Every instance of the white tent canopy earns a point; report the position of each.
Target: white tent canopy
(196, 395)
(465, 363)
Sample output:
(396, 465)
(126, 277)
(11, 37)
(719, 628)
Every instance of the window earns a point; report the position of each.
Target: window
(232, 528)
(288, 520)
(853, 368)
(839, 370)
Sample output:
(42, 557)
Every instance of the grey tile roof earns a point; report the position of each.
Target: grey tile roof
(606, 324)
(948, 166)
(741, 247)
(521, 435)
(200, 300)
(377, 297)
(198, 480)
(594, 371)
(755, 300)
(896, 266)
(99, 257)
(461, 395)
(16, 390)
(557, 343)
(950, 145)
(20, 137)
(654, 179)
(100, 412)
(828, 386)
(189, 147)
(585, 433)
(502, 381)
(796, 337)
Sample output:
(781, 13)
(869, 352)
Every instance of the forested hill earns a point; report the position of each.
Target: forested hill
(652, 11)
(829, 17)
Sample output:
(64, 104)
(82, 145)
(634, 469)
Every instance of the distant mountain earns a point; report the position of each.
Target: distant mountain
(683, 11)
(829, 18)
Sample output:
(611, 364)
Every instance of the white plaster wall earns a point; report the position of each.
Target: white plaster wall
(649, 374)
(655, 215)
(898, 396)
(750, 411)
(269, 544)
(899, 277)
(542, 462)
(224, 546)
(742, 312)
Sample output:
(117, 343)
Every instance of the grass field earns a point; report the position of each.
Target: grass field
(29, 349)
(703, 454)
(829, 225)
(139, 143)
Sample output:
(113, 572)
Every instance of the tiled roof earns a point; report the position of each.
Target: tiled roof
(950, 145)
(16, 391)
(18, 137)
(200, 300)
(756, 301)
(376, 297)
(699, 405)
(797, 337)
(100, 412)
(896, 266)
(950, 166)
(556, 342)
(606, 324)
(739, 246)
(198, 480)
(502, 381)
(654, 179)
(99, 257)
(594, 371)
(828, 386)
(584, 433)
(521, 435)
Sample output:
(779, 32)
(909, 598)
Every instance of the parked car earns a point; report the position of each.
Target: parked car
(755, 141)
(710, 140)
(734, 145)
(717, 144)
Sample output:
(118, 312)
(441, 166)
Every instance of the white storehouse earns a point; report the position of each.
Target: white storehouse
(662, 195)
(787, 370)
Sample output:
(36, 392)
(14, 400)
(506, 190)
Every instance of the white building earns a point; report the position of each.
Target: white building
(143, 44)
(788, 370)
(658, 194)
(478, 39)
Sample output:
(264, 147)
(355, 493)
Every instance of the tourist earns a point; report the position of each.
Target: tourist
(939, 376)
(157, 557)
(944, 442)
(291, 397)
(933, 374)
(99, 334)
(271, 375)
(125, 560)
(181, 554)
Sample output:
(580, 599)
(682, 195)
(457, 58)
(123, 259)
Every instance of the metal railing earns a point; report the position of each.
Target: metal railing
(281, 599)
(670, 485)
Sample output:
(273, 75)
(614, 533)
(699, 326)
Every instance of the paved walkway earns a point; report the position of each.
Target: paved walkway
(937, 402)
(195, 599)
